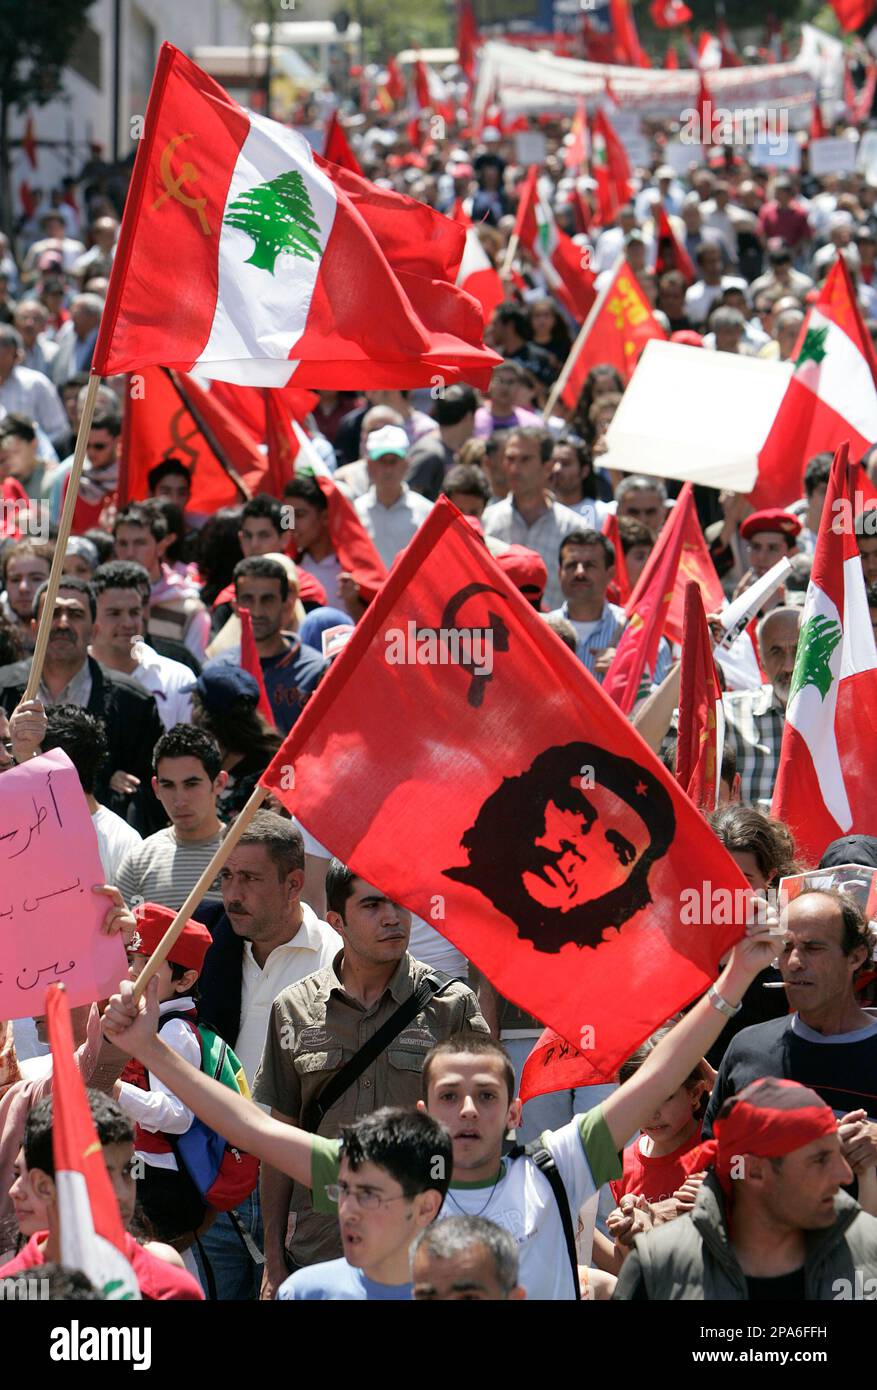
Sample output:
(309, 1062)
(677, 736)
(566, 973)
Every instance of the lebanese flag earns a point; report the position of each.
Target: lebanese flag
(351, 542)
(825, 786)
(557, 255)
(617, 329)
(671, 254)
(168, 415)
(29, 142)
(575, 155)
(278, 265)
(477, 274)
(701, 734)
(648, 607)
(681, 406)
(250, 662)
(559, 849)
(709, 52)
(621, 580)
(852, 14)
(467, 38)
(666, 14)
(337, 149)
(610, 168)
(92, 1235)
(831, 397)
(695, 566)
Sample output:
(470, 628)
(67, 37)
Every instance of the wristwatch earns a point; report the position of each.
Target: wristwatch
(719, 1002)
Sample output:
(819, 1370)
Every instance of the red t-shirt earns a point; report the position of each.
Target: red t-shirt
(657, 1178)
(158, 1281)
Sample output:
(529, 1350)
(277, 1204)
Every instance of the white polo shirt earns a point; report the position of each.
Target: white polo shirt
(314, 946)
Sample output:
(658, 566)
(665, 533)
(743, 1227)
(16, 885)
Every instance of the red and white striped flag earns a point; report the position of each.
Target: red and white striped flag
(278, 265)
(561, 261)
(825, 786)
(92, 1235)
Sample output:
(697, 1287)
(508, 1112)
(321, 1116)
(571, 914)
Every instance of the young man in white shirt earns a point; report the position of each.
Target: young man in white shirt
(122, 590)
(470, 1089)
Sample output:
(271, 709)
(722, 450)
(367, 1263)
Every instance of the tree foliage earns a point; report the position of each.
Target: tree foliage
(35, 45)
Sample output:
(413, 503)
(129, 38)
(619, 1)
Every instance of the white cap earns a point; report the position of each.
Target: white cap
(390, 439)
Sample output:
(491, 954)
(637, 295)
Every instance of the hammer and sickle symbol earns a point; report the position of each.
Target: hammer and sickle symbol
(173, 182)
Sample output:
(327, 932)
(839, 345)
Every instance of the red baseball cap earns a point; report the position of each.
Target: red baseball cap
(771, 519)
(191, 946)
(526, 569)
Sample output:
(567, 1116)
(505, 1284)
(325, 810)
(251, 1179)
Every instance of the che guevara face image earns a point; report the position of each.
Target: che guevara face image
(565, 849)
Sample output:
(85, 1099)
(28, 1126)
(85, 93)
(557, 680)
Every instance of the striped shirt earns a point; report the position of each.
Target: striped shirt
(754, 722)
(161, 870)
(607, 633)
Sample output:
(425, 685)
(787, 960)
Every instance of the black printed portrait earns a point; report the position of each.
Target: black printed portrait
(565, 849)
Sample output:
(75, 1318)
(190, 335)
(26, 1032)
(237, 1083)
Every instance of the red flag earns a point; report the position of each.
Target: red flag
(560, 259)
(337, 148)
(671, 254)
(250, 662)
(282, 445)
(853, 13)
(421, 85)
(666, 14)
(627, 44)
(559, 849)
(730, 56)
(555, 1065)
(671, 61)
(247, 404)
(866, 96)
(28, 198)
(818, 129)
(395, 84)
(707, 114)
(618, 328)
(621, 581)
(610, 168)
(695, 565)
(647, 608)
(29, 142)
(92, 1235)
(701, 722)
(477, 275)
(467, 38)
(172, 417)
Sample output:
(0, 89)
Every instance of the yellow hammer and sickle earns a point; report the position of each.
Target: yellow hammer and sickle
(173, 183)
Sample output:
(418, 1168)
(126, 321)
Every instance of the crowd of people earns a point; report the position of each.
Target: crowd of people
(735, 1155)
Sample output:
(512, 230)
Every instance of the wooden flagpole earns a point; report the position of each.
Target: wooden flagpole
(70, 499)
(229, 842)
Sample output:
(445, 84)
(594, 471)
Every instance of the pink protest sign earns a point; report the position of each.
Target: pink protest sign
(49, 917)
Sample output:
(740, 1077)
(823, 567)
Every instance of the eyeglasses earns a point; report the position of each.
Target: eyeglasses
(364, 1197)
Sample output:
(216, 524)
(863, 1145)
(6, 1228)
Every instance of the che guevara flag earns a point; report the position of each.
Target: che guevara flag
(168, 415)
(701, 735)
(92, 1235)
(617, 329)
(249, 258)
(825, 784)
(459, 757)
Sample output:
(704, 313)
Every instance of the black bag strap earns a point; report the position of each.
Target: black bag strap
(544, 1161)
(319, 1105)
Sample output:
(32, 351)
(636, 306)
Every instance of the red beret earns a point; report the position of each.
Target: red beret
(771, 519)
(191, 946)
(526, 569)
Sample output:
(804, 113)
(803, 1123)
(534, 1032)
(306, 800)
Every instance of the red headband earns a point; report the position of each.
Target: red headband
(767, 1131)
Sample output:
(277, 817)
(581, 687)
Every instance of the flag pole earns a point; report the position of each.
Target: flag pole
(66, 522)
(229, 842)
(511, 252)
(575, 350)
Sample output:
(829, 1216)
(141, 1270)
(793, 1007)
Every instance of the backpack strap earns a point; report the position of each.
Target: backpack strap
(318, 1106)
(544, 1161)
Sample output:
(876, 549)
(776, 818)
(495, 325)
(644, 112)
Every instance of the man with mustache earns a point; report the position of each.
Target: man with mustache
(754, 719)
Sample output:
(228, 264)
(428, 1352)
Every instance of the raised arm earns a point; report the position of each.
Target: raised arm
(132, 1028)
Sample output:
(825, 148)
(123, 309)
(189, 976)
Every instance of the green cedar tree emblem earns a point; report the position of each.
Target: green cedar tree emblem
(813, 346)
(818, 639)
(279, 217)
